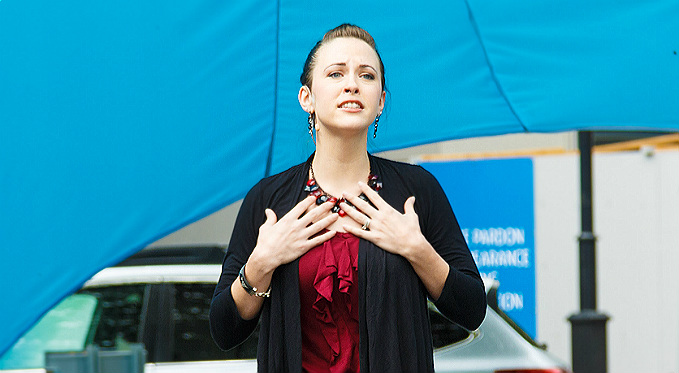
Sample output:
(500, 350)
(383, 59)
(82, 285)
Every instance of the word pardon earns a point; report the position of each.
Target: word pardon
(498, 237)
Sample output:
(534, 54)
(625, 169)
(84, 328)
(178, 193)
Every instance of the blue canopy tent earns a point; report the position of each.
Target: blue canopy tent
(124, 121)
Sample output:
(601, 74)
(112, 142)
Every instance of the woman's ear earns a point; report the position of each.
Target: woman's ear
(305, 99)
(382, 100)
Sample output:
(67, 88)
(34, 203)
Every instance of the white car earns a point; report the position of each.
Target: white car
(160, 298)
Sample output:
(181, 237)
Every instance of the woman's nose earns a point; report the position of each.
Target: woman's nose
(351, 86)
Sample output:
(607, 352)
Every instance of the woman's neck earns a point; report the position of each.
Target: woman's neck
(340, 163)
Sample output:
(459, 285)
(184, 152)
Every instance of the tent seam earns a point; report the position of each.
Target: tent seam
(269, 158)
(490, 66)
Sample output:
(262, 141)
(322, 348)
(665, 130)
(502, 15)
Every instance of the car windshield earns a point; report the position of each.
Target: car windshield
(66, 327)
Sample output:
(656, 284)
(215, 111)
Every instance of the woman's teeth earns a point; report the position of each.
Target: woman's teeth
(351, 105)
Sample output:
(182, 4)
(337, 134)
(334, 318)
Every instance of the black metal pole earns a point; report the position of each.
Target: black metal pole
(587, 238)
(588, 326)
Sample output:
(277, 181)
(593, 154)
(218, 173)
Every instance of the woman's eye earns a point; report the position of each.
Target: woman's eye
(335, 75)
(368, 76)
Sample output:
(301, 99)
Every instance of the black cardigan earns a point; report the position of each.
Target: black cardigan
(394, 330)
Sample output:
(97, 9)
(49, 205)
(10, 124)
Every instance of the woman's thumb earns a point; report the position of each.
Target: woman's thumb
(270, 217)
(409, 204)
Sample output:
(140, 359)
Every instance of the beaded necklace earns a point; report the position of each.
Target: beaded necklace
(315, 190)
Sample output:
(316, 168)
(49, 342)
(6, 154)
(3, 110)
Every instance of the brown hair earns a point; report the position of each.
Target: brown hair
(344, 30)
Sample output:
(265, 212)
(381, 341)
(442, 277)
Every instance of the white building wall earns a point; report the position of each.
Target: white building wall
(213, 229)
(557, 222)
(636, 216)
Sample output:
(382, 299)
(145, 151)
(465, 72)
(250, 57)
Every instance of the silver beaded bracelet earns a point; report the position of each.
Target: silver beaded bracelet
(249, 288)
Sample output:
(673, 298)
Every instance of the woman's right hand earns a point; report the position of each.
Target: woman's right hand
(282, 241)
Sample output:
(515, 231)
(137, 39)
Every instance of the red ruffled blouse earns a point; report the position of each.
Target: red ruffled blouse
(328, 287)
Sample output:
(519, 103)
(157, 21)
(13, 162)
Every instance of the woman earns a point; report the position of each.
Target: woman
(337, 256)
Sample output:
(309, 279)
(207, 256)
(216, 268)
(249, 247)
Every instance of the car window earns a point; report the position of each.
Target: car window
(121, 312)
(443, 331)
(193, 341)
(67, 327)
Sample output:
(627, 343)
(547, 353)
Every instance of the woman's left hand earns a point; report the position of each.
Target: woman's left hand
(384, 226)
(398, 234)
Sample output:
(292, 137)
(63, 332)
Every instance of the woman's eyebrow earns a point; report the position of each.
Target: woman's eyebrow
(335, 64)
(343, 64)
(368, 66)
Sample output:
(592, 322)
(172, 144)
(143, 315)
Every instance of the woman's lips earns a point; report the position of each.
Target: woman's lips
(351, 106)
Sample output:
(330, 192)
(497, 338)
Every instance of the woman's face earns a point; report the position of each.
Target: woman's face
(346, 93)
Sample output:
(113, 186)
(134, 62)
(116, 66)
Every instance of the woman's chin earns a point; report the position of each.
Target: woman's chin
(344, 128)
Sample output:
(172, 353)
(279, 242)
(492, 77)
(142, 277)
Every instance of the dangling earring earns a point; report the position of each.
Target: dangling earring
(311, 126)
(377, 119)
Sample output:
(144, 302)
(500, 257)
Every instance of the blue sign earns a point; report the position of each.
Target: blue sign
(493, 202)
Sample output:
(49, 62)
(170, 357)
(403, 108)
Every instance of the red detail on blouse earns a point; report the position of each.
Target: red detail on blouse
(328, 287)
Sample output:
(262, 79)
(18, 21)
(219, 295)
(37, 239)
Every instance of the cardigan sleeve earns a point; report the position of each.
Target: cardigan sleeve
(227, 327)
(463, 299)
